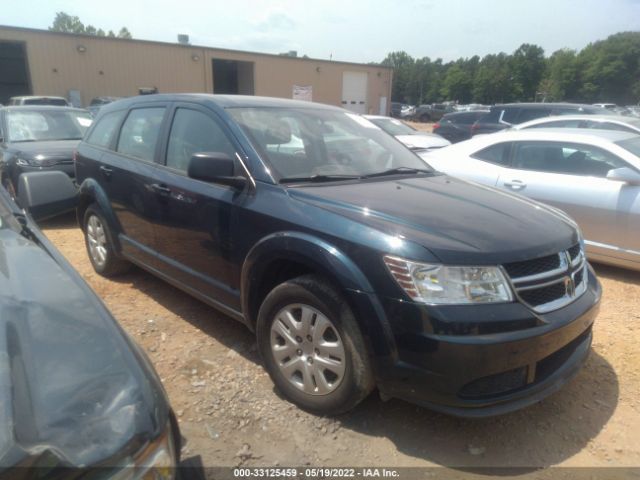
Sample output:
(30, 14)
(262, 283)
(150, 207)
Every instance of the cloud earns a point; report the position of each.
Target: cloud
(275, 21)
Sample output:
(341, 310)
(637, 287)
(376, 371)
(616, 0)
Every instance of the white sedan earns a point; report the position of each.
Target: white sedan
(598, 122)
(593, 175)
(413, 139)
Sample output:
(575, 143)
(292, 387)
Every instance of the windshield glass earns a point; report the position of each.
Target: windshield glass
(42, 125)
(632, 145)
(393, 127)
(306, 142)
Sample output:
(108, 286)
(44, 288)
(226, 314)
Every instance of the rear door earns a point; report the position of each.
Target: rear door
(196, 219)
(572, 177)
(127, 175)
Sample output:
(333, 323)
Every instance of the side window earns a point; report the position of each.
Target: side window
(508, 115)
(192, 132)
(568, 159)
(498, 154)
(102, 134)
(140, 131)
(608, 126)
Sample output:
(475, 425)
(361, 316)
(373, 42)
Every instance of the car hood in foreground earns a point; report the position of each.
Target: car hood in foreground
(73, 389)
(423, 140)
(457, 221)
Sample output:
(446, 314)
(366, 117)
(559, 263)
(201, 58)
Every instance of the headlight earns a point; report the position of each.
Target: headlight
(440, 284)
(22, 162)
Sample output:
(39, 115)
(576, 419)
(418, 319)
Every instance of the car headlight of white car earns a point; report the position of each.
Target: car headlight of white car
(438, 284)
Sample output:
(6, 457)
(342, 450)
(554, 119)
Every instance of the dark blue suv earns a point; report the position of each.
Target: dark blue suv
(355, 263)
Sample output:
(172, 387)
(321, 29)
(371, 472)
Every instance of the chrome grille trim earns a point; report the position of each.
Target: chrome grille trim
(564, 274)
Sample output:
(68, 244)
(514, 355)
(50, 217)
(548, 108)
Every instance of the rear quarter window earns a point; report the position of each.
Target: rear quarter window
(497, 154)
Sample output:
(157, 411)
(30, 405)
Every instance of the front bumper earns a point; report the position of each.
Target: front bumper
(475, 361)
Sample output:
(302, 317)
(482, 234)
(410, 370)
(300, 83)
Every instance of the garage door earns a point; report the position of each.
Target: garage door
(354, 91)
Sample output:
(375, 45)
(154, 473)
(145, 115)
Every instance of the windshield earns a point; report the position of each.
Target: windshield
(393, 127)
(632, 145)
(42, 125)
(307, 142)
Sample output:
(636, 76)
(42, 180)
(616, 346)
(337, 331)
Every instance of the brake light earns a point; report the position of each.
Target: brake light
(436, 126)
(474, 128)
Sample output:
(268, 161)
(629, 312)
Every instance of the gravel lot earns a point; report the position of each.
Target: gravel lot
(230, 414)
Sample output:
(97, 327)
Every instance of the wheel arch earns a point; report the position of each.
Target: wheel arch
(91, 192)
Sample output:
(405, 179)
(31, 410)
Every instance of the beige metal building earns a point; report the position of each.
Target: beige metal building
(81, 67)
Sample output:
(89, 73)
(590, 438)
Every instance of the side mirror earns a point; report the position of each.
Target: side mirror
(624, 174)
(215, 167)
(46, 194)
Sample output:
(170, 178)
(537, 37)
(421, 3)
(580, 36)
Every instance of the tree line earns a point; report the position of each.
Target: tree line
(63, 22)
(604, 71)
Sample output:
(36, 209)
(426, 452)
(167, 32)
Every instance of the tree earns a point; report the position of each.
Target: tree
(63, 22)
(527, 69)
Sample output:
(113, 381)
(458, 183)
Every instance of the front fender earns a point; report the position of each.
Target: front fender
(329, 261)
(90, 192)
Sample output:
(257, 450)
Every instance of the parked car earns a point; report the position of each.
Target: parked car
(433, 112)
(38, 138)
(413, 139)
(79, 398)
(506, 115)
(39, 100)
(396, 108)
(456, 126)
(593, 175)
(597, 122)
(96, 103)
(374, 272)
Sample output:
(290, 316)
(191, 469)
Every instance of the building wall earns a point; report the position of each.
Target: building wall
(118, 67)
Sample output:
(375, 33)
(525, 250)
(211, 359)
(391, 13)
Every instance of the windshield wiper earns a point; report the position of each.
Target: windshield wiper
(398, 171)
(318, 178)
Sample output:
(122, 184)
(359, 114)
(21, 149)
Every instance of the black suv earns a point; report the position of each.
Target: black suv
(508, 114)
(355, 268)
(456, 126)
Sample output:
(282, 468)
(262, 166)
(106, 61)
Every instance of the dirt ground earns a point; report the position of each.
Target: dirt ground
(230, 414)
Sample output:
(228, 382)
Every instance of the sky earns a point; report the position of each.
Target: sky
(352, 30)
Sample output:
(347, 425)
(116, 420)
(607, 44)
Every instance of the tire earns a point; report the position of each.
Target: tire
(98, 239)
(328, 370)
(425, 118)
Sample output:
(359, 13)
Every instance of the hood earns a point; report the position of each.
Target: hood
(42, 151)
(457, 221)
(423, 141)
(73, 390)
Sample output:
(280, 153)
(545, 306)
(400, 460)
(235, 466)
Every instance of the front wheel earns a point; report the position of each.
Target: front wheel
(312, 347)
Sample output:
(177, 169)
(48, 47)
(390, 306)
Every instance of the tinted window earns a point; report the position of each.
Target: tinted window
(140, 131)
(498, 154)
(508, 115)
(565, 158)
(192, 132)
(608, 126)
(103, 132)
(527, 114)
(46, 101)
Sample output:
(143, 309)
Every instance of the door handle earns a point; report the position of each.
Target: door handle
(106, 171)
(162, 190)
(515, 184)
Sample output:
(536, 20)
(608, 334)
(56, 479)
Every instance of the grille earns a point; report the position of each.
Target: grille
(574, 251)
(498, 384)
(550, 282)
(533, 267)
(540, 296)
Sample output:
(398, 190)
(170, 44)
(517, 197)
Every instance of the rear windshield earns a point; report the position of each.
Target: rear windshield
(60, 102)
(42, 125)
(393, 127)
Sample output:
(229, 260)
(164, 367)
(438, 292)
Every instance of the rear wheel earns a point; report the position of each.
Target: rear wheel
(425, 118)
(98, 239)
(312, 347)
